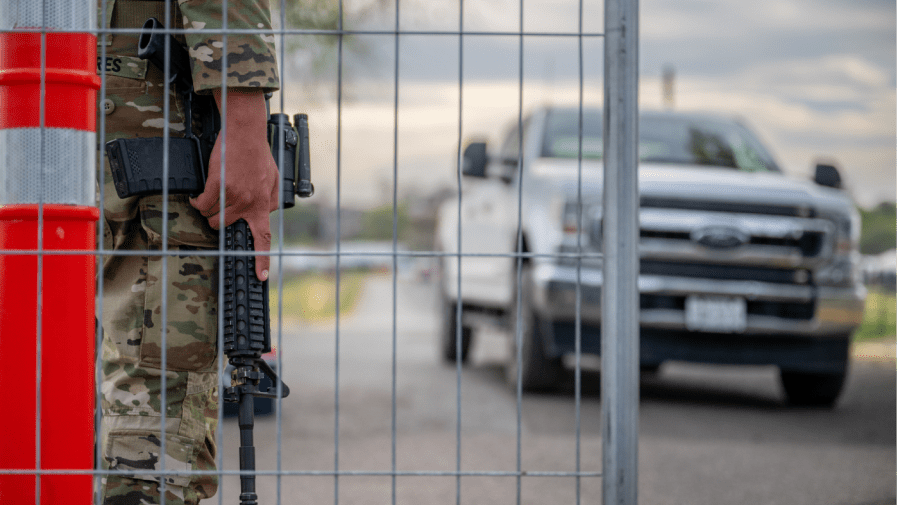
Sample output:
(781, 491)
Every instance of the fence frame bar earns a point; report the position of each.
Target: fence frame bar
(620, 295)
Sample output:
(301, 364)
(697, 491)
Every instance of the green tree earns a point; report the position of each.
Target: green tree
(377, 223)
(315, 56)
(878, 229)
(301, 225)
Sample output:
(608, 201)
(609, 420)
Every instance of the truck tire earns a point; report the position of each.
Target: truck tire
(449, 334)
(539, 372)
(812, 389)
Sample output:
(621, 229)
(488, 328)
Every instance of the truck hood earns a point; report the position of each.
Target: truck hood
(687, 182)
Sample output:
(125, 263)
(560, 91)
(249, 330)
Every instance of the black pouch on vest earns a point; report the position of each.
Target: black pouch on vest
(136, 166)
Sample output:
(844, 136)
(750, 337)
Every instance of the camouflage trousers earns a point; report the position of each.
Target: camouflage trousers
(149, 357)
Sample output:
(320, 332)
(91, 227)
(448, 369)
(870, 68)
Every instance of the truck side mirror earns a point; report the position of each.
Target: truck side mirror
(474, 160)
(828, 175)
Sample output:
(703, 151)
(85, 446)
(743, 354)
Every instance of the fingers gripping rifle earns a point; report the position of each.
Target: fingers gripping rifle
(137, 169)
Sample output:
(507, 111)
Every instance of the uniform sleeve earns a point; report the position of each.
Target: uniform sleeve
(251, 59)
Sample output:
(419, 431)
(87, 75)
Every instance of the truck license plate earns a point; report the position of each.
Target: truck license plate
(715, 314)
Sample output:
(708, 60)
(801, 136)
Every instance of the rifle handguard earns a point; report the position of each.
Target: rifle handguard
(247, 330)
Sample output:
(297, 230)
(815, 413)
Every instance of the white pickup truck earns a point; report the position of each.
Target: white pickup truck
(739, 264)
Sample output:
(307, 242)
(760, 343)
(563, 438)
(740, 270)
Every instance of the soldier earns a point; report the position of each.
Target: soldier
(132, 285)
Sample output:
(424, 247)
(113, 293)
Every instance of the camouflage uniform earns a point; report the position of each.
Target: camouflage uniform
(132, 285)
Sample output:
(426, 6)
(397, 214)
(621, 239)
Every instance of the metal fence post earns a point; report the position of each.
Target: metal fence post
(620, 296)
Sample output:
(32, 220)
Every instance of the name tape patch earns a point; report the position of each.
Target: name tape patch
(123, 66)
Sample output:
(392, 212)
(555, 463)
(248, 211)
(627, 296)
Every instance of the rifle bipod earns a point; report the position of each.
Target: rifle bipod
(247, 335)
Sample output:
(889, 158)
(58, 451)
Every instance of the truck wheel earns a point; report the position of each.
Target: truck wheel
(539, 372)
(812, 389)
(449, 331)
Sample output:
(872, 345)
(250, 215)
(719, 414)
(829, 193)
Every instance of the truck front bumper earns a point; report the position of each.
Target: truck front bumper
(781, 313)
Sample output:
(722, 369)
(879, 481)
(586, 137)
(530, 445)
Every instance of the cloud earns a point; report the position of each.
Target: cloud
(861, 141)
(838, 95)
(729, 20)
(837, 74)
(837, 108)
(816, 78)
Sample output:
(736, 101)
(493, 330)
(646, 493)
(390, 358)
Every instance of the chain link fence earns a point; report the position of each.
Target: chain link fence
(391, 88)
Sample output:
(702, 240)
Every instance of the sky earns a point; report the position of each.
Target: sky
(816, 79)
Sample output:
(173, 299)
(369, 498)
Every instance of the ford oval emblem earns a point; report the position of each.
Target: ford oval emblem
(720, 237)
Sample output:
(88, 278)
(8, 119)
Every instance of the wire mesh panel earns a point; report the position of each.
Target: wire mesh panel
(408, 296)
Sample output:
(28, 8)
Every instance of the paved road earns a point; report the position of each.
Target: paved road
(708, 435)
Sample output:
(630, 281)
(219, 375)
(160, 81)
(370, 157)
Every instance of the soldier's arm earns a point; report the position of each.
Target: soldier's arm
(251, 181)
(251, 61)
(251, 178)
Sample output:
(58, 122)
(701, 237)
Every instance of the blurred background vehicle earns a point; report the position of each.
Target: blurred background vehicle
(740, 264)
(880, 269)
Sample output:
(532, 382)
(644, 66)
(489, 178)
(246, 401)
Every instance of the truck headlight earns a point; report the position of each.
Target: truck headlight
(582, 232)
(582, 220)
(843, 267)
(570, 222)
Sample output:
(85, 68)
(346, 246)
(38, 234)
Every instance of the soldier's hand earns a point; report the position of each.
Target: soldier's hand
(251, 175)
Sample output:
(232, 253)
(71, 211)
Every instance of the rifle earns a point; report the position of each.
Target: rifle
(137, 168)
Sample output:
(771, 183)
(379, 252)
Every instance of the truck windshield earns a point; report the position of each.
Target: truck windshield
(663, 138)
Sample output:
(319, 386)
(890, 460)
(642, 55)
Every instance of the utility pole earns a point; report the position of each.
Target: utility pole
(668, 89)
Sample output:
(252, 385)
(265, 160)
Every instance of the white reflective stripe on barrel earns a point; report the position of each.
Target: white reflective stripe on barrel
(62, 173)
(57, 15)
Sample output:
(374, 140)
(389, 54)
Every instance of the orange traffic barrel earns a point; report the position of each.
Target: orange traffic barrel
(48, 216)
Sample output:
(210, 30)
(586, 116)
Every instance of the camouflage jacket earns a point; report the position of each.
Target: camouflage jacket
(251, 61)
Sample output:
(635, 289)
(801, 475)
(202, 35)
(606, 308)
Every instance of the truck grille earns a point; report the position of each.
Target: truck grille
(786, 310)
(722, 206)
(810, 243)
(722, 272)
